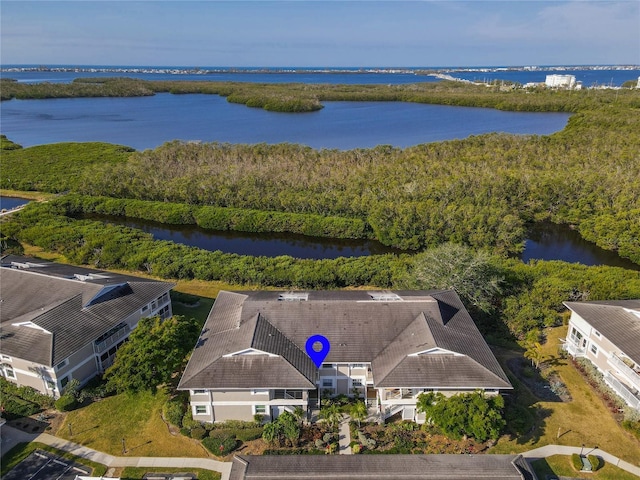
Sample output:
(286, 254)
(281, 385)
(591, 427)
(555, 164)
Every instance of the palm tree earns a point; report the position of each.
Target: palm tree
(298, 412)
(358, 411)
(331, 414)
(271, 433)
(534, 353)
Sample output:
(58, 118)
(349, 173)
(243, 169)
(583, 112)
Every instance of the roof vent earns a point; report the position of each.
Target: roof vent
(385, 297)
(25, 265)
(91, 276)
(293, 297)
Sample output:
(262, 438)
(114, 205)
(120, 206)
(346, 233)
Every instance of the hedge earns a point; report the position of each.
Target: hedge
(576, 461)
(66, 403)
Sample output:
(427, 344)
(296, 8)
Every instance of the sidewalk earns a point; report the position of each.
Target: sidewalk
(549, 450)
(12, 436)
(344, 436)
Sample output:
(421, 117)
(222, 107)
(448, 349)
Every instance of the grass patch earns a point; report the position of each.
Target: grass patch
(572, 421)
(38, 196)
(136, 473)
(21, 451)
(561, 465)
(135, 417)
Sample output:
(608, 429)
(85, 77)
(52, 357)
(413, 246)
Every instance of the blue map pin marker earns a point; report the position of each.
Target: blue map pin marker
(317, 356)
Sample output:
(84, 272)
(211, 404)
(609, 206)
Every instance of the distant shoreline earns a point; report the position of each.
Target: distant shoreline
(178, 70)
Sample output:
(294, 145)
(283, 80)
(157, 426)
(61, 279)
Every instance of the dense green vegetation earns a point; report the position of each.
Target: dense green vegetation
(218, 218)
(56, 167)
(470, 414)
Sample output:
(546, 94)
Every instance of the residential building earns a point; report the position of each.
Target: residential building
(374, 467)
(386, 347)
(560, 81)
(608, 334)
(59, 322)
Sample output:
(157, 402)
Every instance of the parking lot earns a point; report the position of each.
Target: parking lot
(41, 465)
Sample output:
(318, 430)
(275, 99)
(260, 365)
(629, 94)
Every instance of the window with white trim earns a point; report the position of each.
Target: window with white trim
(200, 410)
(594, 349)
(198, 392)
(259, 409)
(327, 365)
(6, 358)
(259, 392)
(596, 333)
(357, 382)
(62, 364)
(64, 381)
(327, 383)
(9, 372)
(144, 309)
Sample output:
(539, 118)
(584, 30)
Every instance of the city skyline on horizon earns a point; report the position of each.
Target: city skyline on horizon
(333, 34)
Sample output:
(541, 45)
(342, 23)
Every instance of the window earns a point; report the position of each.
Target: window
(64, 381)
(356, 382)
(594, 349)
(259, 392)
(6, 357)
(576, 336)
(200, 410)
(259, 409)
(327, 365)
(9, 372)
(198, 392)
(62, 364)
(145, 308)
(357, 365)
(596, 333)
(327, 383)
(154, 305)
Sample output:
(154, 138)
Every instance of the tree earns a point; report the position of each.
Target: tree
(298, 412)
(358, 411)
(471, 274)
(331, 414)
(534, 353)
(472, 414)
(155, 351)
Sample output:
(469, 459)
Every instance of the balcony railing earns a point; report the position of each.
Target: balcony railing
(287, 395)
(108, 342)
(626, 370)
(621, 389)
(400, 393)
(573, 349)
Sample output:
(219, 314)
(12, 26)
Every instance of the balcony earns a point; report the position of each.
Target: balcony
(574, 350)
(623, 390)
(401, 393)
(111, 338)
(631, 374)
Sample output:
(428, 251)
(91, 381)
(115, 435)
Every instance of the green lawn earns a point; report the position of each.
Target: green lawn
(561, 465)
(136, 418)
(21, 451)
(584, 420)
(135, 473)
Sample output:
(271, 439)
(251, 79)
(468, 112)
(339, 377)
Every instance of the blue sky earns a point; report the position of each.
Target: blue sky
(320, 33)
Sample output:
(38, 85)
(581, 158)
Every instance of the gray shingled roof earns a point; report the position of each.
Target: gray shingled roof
(380, 467)
(611, 319)
(358, 329)
(50, 298)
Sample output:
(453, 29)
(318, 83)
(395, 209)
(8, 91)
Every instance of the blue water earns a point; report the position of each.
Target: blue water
(147, 122)
(7, 203)
(589, 76)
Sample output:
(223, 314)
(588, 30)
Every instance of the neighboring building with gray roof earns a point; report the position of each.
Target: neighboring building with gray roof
(387, 346)
(59, 322)
(381, 467)
(608, 334)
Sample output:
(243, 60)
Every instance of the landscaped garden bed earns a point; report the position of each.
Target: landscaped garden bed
(408, 437)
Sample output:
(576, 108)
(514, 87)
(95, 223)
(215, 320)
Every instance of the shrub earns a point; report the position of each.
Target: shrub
(66, 403)
(15, 407)
(173, 411)
(596, 462)
(222, 445)
(198, 433)
(356, 448)
(249, 434)
(576, 461)
(188, 421)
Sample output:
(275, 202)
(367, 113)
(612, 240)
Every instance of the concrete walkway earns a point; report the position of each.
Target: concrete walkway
(12, 436)
(549, 450)
(344, 436)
